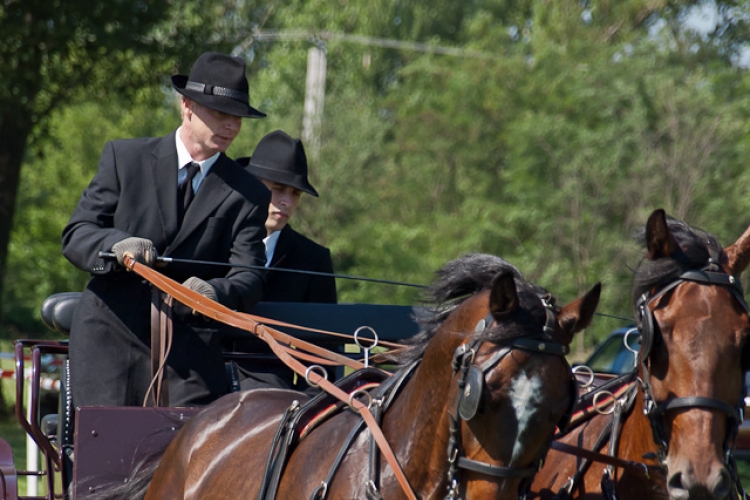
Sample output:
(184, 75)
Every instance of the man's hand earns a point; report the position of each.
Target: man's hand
(197, 285)
(140, 249)
(200, 286)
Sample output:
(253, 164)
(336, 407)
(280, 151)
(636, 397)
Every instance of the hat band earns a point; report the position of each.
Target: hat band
(215, 90)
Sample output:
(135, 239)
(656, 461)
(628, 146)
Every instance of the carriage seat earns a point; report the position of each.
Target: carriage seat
(57, 311)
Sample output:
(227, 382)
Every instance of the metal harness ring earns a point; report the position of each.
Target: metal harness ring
(352, 398)
(598, 408)
(315, 369)
(374, 334)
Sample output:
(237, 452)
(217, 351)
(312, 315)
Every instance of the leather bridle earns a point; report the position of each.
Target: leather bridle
(470, 383)
(710, 276)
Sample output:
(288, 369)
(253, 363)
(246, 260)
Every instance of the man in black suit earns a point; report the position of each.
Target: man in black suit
(279, 161)
(178, 196)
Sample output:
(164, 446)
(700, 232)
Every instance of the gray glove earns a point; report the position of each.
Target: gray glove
(200, 286)
(141, 249)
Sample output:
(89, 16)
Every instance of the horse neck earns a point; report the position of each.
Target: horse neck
(417, 424)
(636, 438)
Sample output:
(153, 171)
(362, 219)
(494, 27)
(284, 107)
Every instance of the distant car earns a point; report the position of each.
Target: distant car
(614, 355)
(617, 355)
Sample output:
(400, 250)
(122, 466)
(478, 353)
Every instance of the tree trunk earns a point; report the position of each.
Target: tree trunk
(14, 132)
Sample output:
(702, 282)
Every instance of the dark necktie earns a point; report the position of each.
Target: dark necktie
(185, 190)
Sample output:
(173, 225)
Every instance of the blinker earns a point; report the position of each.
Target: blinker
(472, 393)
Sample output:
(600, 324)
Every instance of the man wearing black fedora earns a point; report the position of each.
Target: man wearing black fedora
(279, 161)
(176, 196)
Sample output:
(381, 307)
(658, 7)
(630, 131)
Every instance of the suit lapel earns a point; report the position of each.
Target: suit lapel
(164, 176)
(283, 246)
(212, 192)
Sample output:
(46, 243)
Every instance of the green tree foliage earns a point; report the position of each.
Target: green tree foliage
(547, 137)
(56, 52)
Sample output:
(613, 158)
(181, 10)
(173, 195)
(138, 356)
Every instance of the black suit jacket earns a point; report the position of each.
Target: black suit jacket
(294, 251)
(134, 193)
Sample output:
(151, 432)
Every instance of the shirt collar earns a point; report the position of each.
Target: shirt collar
(183, 156)
(270, 242)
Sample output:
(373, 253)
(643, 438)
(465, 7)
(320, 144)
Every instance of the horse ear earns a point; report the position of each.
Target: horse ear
(659, 239)
(738, 254)
(503, 295)
(577, 315)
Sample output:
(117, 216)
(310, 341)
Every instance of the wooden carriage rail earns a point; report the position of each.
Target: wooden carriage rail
(283, 345)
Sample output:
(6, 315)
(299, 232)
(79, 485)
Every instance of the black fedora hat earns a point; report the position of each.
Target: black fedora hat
(280, 158)
(218, 81)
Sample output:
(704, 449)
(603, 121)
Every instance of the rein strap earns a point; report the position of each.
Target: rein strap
(274, 338)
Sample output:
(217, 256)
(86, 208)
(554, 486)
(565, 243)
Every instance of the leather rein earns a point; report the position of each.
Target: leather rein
(285, 347)
(289, 348)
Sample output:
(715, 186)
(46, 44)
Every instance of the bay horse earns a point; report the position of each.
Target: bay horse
(669, 431)
(470, 413)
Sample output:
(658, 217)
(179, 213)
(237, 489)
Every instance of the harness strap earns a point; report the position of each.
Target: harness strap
(494, 470)
(275, 322)
(364, 412)
(321, 492)
(277, 454)
(594, 456)
(373, 485)
(272, 337)
(161, 343)
(699, 402)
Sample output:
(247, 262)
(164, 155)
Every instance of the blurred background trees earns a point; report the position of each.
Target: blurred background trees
(542, 131)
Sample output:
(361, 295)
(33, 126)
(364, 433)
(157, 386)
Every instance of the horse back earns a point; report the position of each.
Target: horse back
(220, 448)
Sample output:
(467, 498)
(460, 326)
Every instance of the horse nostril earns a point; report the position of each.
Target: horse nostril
(682, 486)
(677, 490)
(722, 484)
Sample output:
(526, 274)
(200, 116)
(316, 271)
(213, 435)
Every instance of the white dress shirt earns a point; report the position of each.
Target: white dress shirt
(270, 242)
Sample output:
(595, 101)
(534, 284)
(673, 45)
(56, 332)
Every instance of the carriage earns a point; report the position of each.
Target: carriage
(108, 440)
(496, 361)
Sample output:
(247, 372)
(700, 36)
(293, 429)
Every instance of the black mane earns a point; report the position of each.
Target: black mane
(459, 280)
(695, 249)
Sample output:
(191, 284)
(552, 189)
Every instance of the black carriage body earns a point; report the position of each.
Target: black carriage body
(88, 448)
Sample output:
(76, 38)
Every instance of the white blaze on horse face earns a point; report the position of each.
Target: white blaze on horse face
(526, 398)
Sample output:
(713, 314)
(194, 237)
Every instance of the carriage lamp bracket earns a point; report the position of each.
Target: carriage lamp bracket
(316, 369)
(366, 348)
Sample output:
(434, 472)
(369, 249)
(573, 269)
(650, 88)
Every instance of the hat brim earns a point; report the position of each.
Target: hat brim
(226, 105)
(296, 181)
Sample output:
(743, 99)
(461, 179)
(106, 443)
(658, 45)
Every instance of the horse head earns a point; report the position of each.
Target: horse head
(694, 326)
(510, 384)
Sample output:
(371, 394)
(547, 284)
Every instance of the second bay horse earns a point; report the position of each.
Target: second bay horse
(469, 415)
(674, 420)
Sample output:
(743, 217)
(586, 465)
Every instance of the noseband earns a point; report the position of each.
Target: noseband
(470, 385)
(708, 276)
